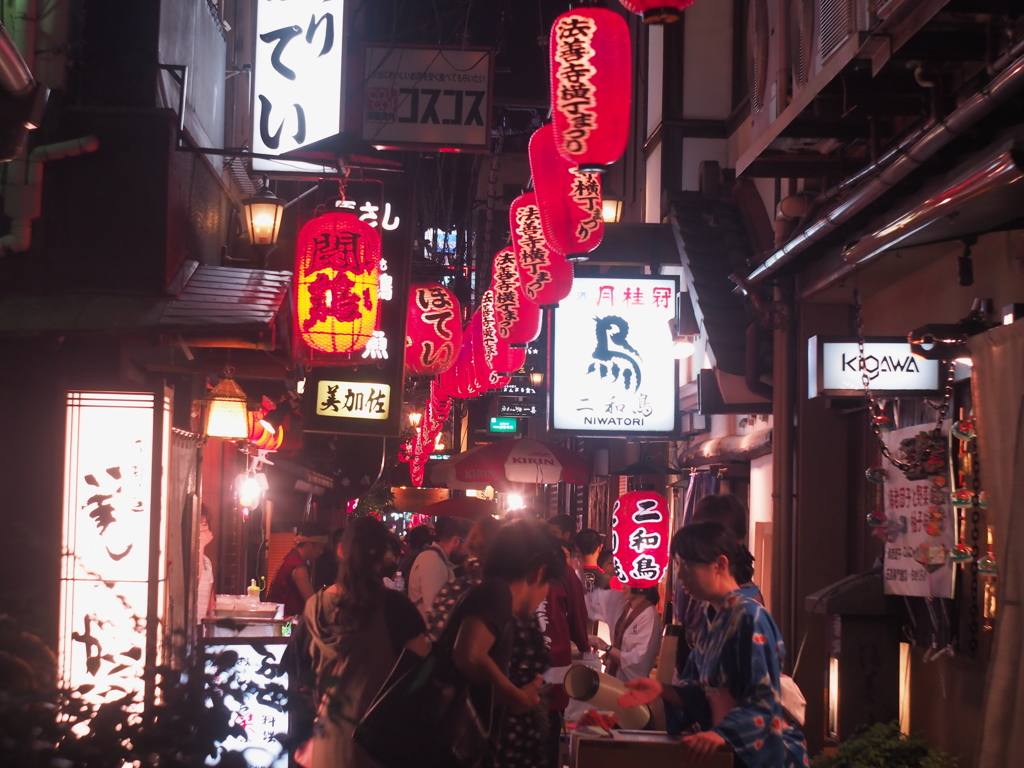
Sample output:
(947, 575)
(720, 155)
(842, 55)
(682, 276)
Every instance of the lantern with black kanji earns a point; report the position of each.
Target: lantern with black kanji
(544, 274)
(498, 354)
(433, 329)
(337, 283)
(640, 538)
(658, 11)
(591, 86)
(568, 199)
(518, 318)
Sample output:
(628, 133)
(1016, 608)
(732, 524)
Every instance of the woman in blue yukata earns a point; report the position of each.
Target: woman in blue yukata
(729, 691)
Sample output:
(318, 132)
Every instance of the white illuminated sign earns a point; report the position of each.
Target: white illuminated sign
(612, 364)
(353, 400)
(833, 367)
(252, 683)
(297, 78)
(107, 552)
(427, 96)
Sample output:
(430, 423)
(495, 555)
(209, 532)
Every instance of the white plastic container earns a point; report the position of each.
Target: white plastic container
(601, 691)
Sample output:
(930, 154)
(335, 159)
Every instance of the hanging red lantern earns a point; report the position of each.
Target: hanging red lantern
(433, 329)
(499, 355)
(544, 274)
(337, 276)
(658, 11)
(591, 86)
(569, 200)
(518, 318)
(467, 376)
(640, 538)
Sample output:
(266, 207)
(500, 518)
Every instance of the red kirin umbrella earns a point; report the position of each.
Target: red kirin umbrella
(460, 506)
(522, 461)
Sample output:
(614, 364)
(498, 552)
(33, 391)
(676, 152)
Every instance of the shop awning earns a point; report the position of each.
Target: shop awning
(726, 449)
(712, 244)
(240, 305)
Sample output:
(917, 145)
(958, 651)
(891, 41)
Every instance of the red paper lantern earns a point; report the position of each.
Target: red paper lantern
(591, 86)
(260, 436)
(518, 318)
(499, 355)
(544, 274)
(569, 200)
(433, 329)
(657, 11)
(337, 276)
(640, 538)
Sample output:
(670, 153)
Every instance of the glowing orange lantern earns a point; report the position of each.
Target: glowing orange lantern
(433, 329)
(569, 200)
(591, 90)
(544, 274)
(337, 275)
(640, 538)
(518, 319)
(657, 11)
(260, 436)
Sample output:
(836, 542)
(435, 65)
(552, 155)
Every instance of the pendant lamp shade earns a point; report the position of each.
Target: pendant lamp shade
(569, 200)
(227, 412)
(591, 86)
(544, 274)
(518, 318)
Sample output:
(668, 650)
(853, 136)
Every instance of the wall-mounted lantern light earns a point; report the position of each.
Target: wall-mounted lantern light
(611, 210)
(226, 411)
(263, 212)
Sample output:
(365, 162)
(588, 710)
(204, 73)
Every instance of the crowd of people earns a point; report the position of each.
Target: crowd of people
(511, 606)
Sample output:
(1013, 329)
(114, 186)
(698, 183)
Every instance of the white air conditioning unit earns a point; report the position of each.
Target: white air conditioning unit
(767, 66)
(795, 47)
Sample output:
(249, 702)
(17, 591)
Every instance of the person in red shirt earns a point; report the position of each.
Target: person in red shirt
(292, 584)
(563, 620)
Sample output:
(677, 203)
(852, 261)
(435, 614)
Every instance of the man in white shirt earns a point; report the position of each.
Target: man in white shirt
(435, 566)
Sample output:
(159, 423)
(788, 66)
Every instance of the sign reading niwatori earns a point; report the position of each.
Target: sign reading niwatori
(613, 371)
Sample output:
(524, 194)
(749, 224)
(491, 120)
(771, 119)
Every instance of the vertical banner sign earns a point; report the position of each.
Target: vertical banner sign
(640, 538)
(108, 544)
(297, 78)
(919, 528)
(612, 368)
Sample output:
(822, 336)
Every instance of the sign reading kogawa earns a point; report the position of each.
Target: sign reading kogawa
(833, 368)
(613, 371)
(353, 400)
(427, 97)
(297, 78)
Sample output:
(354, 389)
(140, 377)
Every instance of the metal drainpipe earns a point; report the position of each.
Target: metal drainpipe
(23, 200)
(1002, 87)
(784, 541)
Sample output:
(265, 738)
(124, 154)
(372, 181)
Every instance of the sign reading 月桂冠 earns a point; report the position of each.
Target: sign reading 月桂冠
(612, 367)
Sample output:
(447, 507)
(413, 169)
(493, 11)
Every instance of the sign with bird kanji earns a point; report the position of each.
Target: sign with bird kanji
(612, 366)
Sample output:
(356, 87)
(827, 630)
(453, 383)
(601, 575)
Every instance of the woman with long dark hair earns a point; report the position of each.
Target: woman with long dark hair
(730, 689)
(358, 628)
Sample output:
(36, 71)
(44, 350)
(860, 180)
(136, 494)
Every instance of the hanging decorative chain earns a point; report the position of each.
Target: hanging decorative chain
(974, 609)
(877, 411)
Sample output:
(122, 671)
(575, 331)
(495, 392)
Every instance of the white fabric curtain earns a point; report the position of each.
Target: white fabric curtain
(181, 543)
(998, 393)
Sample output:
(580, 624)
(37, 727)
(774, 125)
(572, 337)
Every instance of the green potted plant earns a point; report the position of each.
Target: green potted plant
(882, 745)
